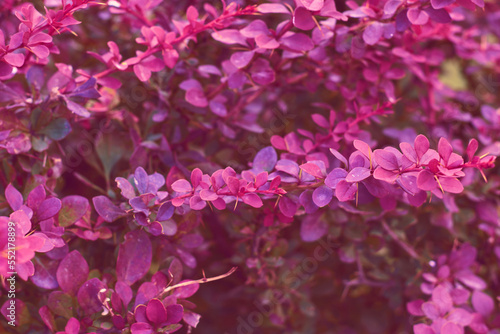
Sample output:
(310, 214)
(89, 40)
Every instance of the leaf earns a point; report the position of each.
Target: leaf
(386, 160)
(426, 180)
(229, 36)
(73, 208)
(14, 197)
(87, 296)
(48, 208)
(156, 312)
(437, 4)
(166, 211)
(303, 19)
(445, 150)
(241, 59)
(106, 209)
(287, 207)
(61, 304)
(110, 148)
(358, 174)
(345, 191)
(196, 97)
(373, 33)
(182, 186)
(335, 176)
(312, 228)
(252, 200)
(482, 303)
(265, 160)
(313, 5)
(134, 257)
(57, 129)
(76, 108)
(127, 190)
(72, 272)
(322, 196)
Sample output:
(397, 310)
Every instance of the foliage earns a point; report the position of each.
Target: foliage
(323, 166)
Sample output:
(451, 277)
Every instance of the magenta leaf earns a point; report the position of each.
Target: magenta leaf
(106, 209)
(73, 208)
(423, 329)
(298, 42)
(451, 328)
(444, 149)
(302, 19)
(242, 59)
(134, 257)
(182, 186)
(287, 207)
(166, 211)
(417, 16)
(312, 169)
(451, 184)
(426, 180)
(252, 200)
(229, 36)
(345, 191)
(156, 311)
(196, 97)
(72, 272)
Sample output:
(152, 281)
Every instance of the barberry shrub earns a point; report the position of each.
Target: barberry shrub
(306, 166)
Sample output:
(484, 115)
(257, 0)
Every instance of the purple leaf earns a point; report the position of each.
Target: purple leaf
(87, 296)
(36, 197)
(335, 176)
(72, 272)
(312, 228)
(124, 291)
(76, 108)
(438, 15)
(423, 329)
(288, 166)
(241, 59)
(14, 197)
(272, 8)
(322, 196)
(218, 108)
(262, 73)
(298, 42)
(265, 160)
(415, 307)
(358, 174)
(48, 208)
(306, 200)
(106, 209)
(134, 257)
(86, 90)
(127, 190)
(392, 6)
(166, 211)
(437, 4)
(182, 186)
(451, 328)
(254, 29)
(442, 299)
(482, 303)
(73, 208)
(191, 318)
(229, 36)
(141, 180)
(386, 160)
(313, 5)
(186, 291)
(402, 22)
(373, 33)
(417, 16)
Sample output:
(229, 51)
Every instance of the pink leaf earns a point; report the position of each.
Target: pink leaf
(182, 186)
(252, 200)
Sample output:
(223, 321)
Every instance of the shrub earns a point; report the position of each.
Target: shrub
(323, 166)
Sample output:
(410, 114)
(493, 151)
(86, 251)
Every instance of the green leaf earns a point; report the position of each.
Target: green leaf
(61, 304)
(73, 208)
(57, 129)
(110, 149)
